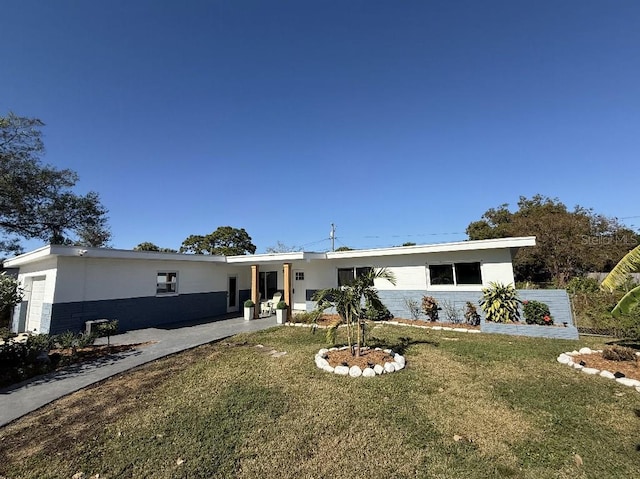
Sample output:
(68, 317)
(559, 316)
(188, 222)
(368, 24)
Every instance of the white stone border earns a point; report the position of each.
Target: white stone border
(435, 328)
(567, 358)
(397, 364)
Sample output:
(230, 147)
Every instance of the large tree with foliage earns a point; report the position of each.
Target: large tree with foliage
(225, 241)
(567, 242)
(36, 200)
(148, 246)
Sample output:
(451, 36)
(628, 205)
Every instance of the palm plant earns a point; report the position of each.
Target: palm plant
(354, 303)
(618, 276)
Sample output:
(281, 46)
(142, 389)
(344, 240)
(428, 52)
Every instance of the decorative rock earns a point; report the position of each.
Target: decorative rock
(446, 328)
(389, 368)
(475, 331)
(564, 358)
(343, 348)
(323, 351)
(388, 351)
(355, 371)
(378, 369)
(333, 349)
(577, 366)
(341, 370)
(628, 382)
(378, 349)
(397, 366)
(328, 368)
(399, 359)
(321, 362)
(573, 353)
(585, 351)
(590, 370)
(437, 328)
(368, 373)
(607, 374)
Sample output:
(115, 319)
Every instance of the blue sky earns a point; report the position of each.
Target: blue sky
(397, 121)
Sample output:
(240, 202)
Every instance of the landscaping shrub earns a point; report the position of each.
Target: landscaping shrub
(582, 284)
(381, 313)
(451, 313)
(413, 307)
(430, 307)
(306, 317)
(471, 314)
(108, 329)
(537, 312)
(500, 303)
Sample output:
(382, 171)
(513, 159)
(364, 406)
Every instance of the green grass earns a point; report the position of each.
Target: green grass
(231, 410)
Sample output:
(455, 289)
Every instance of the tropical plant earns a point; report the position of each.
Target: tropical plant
(618, 276)
(500, 303)
(430, 307)
(536, 312)
(354, 304)
(249, 303)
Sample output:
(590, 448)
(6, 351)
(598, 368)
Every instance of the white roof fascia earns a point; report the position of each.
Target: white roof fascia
(108, 253)
(499, 243)
(275, 257)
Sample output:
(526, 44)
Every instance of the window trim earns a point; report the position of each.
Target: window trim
(167, 274)
(354, 270)
(455, 283)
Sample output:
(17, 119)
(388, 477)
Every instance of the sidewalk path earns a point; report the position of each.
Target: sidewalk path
(25, 397)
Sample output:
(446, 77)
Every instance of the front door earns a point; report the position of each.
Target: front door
(299, 291)
(232, 294)
(34, 315)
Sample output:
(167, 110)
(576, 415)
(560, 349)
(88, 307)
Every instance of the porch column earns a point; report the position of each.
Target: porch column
(255, 274)
(287, 287)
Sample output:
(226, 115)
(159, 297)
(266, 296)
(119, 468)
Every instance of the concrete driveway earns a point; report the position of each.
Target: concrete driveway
(25, 397)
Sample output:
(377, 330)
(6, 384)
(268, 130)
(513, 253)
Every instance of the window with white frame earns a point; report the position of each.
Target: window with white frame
(347, 275)
(167, 282)
(455, 274)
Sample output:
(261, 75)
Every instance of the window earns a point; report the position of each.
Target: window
(347, 275)
(167, 282)
(267, 284)
(299, 275)
(455, 274)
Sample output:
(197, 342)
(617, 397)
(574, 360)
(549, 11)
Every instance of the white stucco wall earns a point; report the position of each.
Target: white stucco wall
(90, 279)
(411, 270)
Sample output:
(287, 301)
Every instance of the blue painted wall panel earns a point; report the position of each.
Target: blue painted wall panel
(137, 313)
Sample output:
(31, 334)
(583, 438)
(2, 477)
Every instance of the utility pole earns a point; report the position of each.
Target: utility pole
(332, 237)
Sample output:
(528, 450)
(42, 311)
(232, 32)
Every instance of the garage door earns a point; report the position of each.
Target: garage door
(34, 318)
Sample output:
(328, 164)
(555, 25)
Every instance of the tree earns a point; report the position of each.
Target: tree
(355, 303)
(36, 200)
(344, 248)
(280, 247)
(225, 241)
(568, 243)
(10, 295)
(148, 246)
(618, 276)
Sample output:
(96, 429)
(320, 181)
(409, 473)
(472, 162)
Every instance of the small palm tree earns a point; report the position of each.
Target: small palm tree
(354, 303)
(617, 277)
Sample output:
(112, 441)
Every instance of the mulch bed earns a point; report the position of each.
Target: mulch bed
(368, 358)
(418, 322)
(630, 369)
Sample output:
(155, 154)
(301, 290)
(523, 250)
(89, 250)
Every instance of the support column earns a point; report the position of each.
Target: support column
(287, 287)
(255, 276)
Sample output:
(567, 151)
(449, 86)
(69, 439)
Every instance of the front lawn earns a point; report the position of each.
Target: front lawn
(466, 406)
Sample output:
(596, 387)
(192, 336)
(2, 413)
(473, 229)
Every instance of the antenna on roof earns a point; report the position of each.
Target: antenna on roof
(332, 237)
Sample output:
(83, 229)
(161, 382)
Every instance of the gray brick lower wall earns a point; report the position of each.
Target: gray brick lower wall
(555, 332)
(137, 313)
